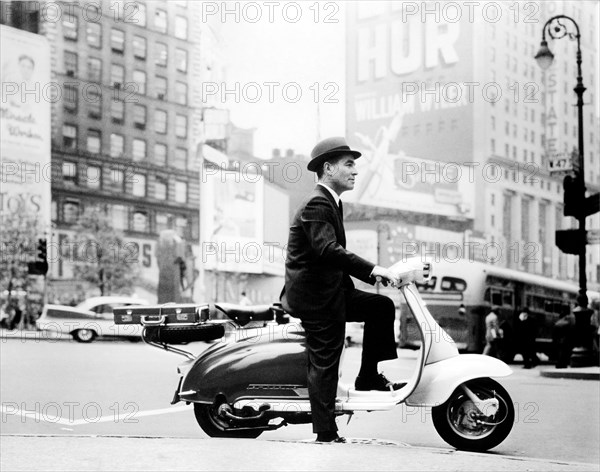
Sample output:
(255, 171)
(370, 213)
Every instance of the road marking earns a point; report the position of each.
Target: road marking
(125, 417)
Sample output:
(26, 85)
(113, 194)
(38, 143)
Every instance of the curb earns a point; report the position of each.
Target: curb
(588, 374)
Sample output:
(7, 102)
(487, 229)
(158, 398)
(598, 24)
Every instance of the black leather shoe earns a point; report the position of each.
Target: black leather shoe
(330, 437)
(377, 382)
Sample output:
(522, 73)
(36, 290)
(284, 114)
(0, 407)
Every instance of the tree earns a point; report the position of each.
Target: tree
(104, 259)
(19, 235)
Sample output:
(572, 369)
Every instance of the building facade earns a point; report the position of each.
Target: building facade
(125, 124)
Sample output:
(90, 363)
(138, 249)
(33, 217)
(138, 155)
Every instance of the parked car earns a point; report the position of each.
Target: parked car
(91, 318)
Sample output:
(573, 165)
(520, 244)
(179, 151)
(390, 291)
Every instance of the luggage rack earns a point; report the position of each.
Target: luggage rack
(171, 323)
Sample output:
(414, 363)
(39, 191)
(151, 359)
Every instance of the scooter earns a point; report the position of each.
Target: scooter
(257, 381)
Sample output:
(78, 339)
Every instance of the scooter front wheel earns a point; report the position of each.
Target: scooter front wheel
(460, 423)
(213, 424)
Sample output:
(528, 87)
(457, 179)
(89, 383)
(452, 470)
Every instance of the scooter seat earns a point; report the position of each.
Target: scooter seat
(243, 315)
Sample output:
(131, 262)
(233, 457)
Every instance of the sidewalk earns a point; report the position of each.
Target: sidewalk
(89, 453)
(580, 373)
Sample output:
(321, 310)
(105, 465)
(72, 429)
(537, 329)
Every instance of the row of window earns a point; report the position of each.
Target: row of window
(130, 13)
(115, 180)
(125, 218)
(94, 65)
(117, 149)
(117, 111)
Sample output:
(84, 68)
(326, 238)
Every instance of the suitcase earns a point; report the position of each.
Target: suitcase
(155, 315)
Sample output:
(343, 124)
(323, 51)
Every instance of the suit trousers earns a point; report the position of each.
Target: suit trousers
(325, 342)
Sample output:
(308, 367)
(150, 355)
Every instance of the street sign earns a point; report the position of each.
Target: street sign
(593, 236)
(559, 163)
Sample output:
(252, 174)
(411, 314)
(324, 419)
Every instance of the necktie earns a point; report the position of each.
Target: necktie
(341, 209)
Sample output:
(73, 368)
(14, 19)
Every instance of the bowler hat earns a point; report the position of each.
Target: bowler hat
(328, 148)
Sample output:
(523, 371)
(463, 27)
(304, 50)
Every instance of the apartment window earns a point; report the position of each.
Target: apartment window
(181, 226)
(160, 54)
(162, 222)
(160, 153)
(94, 99)
(117, 75)
(161, 88)
(181, 93)
(180, 158)
(181, 60)
(93, 176)
(93, 32)
(70, 137)
(160, 121)
(180, 192)
(119, 217)
(181, 126)
(70, 63)
(117, 111)
(160, 20)
(139, 77)
(139, 116)
(94, 138)
(71, 99)
(116, 180)
(117, 40)
(140, 222)
(160, 189)
(139, 47)
(525, 204)
(117, 145)
(181, 27)
(70, 211)
(70, 24)
(69, 172)
(139, 14)
(139, 149)
(94, 70)
(139, 185)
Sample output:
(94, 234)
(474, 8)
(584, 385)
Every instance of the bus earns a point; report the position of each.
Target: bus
(478, 287)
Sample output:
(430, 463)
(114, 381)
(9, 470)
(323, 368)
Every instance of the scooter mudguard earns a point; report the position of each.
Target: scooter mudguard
(255, 367)
(440, 379)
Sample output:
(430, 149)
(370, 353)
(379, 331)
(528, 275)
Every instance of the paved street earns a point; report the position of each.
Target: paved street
(121, 388)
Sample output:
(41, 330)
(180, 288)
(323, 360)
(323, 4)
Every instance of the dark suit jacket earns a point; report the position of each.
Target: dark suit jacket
(318, 266)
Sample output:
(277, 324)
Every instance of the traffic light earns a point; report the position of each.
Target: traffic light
(42, 251)
(570, 241)
(40, 266)
(573, 196)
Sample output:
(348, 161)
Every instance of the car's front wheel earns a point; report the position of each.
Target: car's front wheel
(84, 335)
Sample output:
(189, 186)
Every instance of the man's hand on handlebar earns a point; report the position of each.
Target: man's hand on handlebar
(384, 276)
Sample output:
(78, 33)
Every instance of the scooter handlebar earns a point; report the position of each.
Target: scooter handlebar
(410, 271)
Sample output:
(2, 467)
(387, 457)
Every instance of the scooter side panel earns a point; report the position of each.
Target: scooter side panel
(250, 368)
(441, 378)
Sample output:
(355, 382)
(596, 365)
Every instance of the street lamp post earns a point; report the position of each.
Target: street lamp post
(556, 28)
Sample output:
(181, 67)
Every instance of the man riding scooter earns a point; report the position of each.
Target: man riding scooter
(319, 291)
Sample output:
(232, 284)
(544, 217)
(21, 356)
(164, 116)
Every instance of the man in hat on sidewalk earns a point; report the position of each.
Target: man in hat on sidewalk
(319, 291)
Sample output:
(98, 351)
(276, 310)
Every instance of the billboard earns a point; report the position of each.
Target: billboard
(238, 232)
(27, 92)
(410, 107)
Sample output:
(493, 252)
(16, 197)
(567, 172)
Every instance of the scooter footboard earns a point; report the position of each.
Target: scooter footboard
(441, 378)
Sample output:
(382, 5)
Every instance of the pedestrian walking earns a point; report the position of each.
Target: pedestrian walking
(244, 300)
(493, 334)
(526, 335)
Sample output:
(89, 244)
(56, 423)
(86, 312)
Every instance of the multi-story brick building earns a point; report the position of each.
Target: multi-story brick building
(126, 123)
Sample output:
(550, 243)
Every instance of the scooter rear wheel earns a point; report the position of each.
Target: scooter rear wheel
(216, 427)
(462, 425)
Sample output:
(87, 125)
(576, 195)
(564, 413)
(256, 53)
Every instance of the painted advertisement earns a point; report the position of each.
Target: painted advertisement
(27, 92)
(410, 110)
